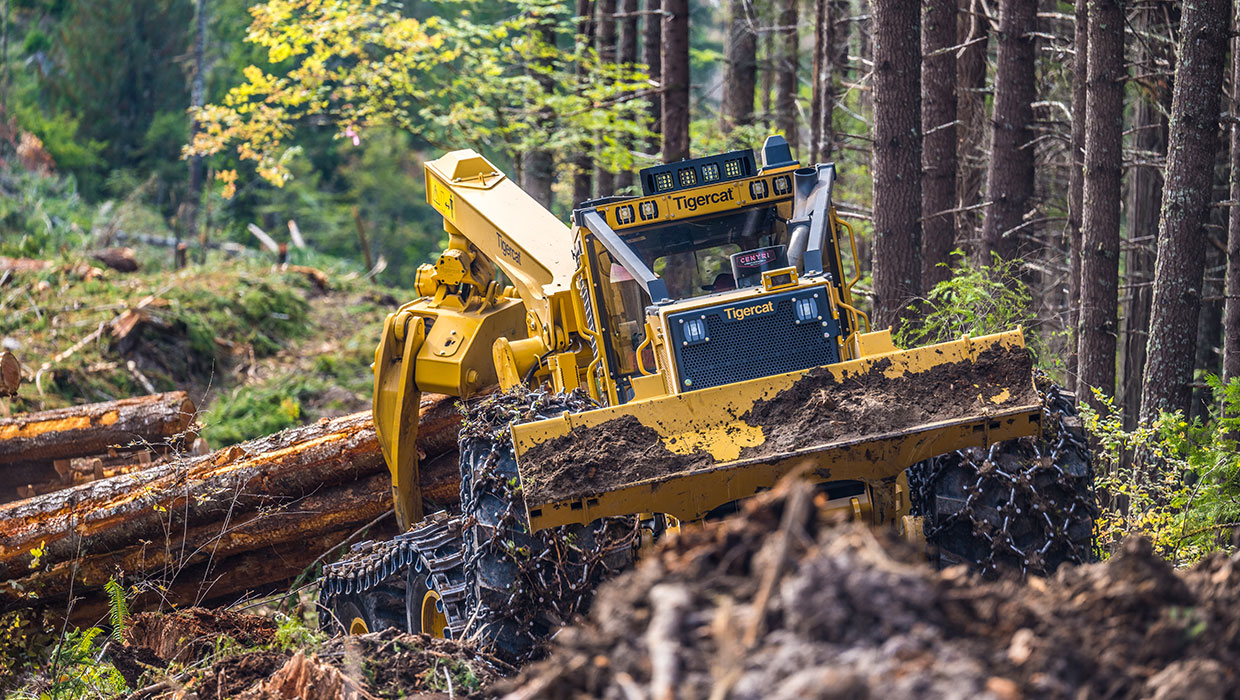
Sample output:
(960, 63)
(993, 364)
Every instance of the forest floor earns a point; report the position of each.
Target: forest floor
(258, 348)
(774, 602)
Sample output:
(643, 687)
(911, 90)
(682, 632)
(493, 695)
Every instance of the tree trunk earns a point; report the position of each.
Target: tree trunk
(897, 159)
(1145, 197)
(1231, 308)
(1186, 197)
(538, 165)
(741, 69)
(605, 44)
(938, 126)
(1104, 113)
(786, 73)
(583, 164)
(1010, 177)
(675, 80)
(652, 56)
(628, 57)
(197, 98)
(1076, 182)
(830, 58)
(974, 33)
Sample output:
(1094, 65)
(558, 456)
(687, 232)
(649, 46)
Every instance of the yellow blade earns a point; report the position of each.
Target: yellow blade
(866, 419)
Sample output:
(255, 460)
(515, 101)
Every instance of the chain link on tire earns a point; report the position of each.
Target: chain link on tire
(523, 585)
(1024, 505)
(491, 579)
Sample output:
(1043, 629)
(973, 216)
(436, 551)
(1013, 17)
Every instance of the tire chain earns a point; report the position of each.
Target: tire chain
(1053, 475)
(558, 568)
(374, 564)
(560, 574)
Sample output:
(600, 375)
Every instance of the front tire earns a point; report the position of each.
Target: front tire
(1024, 506)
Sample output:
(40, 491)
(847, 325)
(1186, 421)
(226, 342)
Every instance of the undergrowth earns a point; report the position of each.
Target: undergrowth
(1173, 481)
(976, 300)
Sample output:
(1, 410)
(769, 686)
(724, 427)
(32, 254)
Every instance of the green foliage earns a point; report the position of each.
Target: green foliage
(294, 634)
(255, 410)
(75, 671)
(1173, 481)
(454, 675)
(452, 78)
(118, 608)
(975, 300)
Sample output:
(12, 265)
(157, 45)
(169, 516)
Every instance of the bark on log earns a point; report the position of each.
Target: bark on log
(92, 429)
(200, 519)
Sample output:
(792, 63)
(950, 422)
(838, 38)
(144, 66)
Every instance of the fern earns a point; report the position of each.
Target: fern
(118, 608)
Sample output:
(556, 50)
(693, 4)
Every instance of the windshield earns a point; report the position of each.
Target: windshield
(692, 257)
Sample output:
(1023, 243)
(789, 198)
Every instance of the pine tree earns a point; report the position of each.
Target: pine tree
(938, 125)
(1186, 196)
(897, 159)
(787, 59)
(1104, 111)
(675, 80)
(741, 67)
(1010, 176)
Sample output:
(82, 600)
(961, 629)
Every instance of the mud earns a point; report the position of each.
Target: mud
(817, 409)
(776, 604)
(616, 452)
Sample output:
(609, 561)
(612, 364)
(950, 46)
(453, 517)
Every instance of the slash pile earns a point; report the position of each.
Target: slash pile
(775, 604)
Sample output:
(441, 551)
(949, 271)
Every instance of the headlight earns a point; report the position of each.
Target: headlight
(695, 331)
(807, 309)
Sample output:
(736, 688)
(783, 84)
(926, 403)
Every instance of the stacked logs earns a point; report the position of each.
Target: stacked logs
(242, 521)
(53, 450)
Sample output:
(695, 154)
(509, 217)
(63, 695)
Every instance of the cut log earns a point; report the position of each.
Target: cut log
(10, 374)
(92, 429)
(24, 264)
(196, 519)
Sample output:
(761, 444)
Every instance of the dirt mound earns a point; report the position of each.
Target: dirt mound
(186, 636)
(817, 409)
(775, 604)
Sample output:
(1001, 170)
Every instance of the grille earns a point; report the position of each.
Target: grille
(759, 346)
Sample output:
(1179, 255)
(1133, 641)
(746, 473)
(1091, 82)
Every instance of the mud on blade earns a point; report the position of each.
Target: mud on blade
(864, 420)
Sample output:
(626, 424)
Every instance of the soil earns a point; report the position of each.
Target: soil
(189, 635)
(231, 675)
(817, 409)
(777, 604)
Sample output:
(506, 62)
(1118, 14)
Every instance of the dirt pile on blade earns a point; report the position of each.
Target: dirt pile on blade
(773, 604)
(816, 410)
(218, 654)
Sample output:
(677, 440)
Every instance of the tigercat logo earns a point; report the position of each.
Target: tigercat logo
(692, 202)
(744, 312)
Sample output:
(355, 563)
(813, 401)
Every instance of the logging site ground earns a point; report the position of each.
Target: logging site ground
(619, 349)
(256, 349)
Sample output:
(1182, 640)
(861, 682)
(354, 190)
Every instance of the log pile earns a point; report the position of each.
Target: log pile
(52, 450)
(244, 520)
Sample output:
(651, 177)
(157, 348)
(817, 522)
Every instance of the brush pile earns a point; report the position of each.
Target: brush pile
(774, 604)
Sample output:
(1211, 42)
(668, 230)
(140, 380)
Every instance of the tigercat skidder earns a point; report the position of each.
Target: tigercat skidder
(664, 357)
